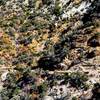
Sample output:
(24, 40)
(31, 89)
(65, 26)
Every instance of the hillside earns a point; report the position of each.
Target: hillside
(49, 50)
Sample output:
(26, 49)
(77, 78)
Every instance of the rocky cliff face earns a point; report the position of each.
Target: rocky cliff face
(46, 44)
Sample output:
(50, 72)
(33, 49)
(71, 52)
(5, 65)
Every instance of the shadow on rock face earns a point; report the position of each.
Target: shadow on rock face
(48, 63)
(93, 41)
(90, 55)
(96, 92)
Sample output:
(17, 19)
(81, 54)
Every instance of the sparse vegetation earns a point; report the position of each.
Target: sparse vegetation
(49, 49)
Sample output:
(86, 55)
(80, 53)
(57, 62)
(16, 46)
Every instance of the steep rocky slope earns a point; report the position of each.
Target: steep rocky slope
(49, 49)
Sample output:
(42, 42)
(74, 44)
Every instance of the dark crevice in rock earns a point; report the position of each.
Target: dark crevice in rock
(93, 41)
(90, 55)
